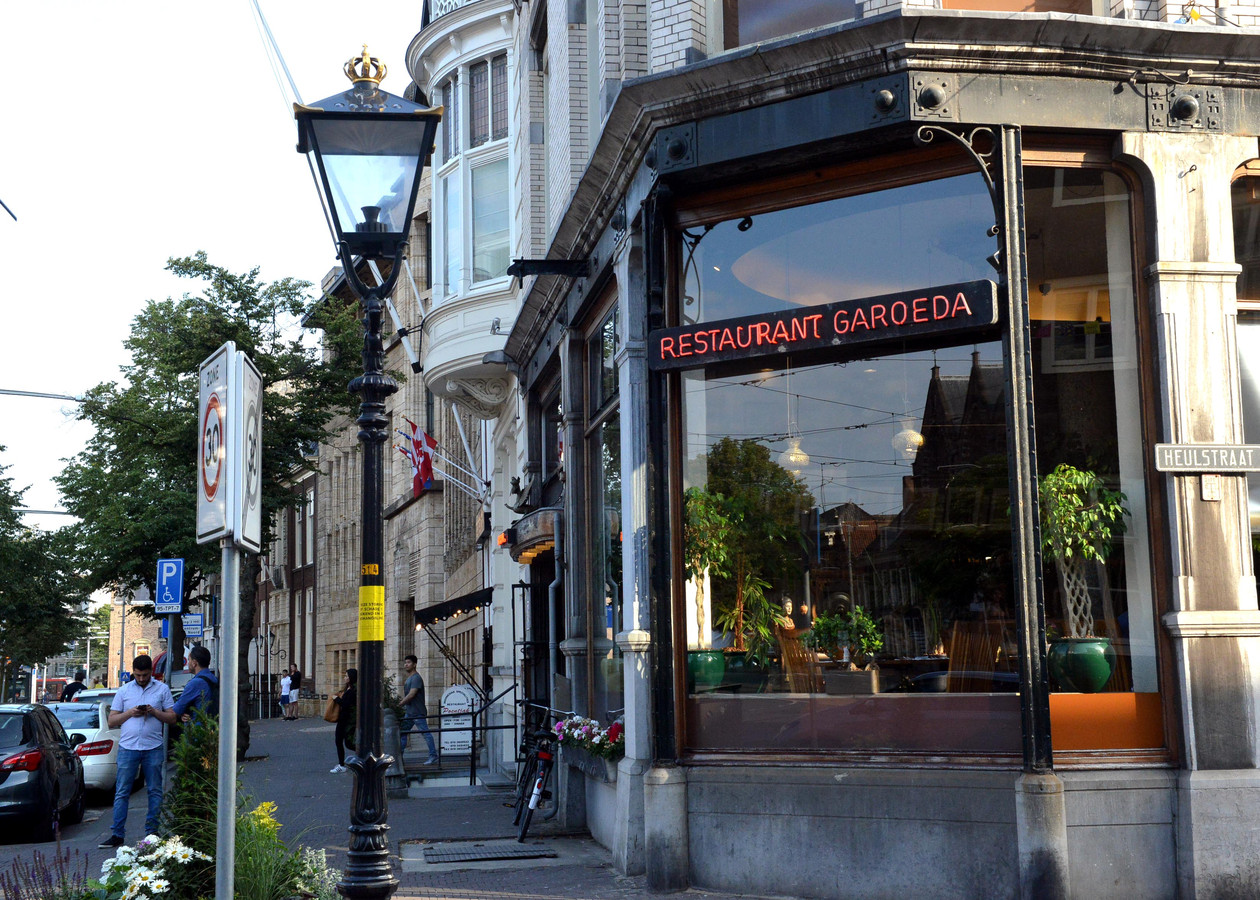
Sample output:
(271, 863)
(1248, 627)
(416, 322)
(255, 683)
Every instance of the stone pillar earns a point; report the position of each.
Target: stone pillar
(1041, 820)
(1214, 626)
(667, 840)
(634, 638)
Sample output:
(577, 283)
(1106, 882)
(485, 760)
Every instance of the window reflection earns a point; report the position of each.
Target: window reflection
(856, 512)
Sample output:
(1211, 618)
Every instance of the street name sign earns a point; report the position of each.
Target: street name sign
(1222, 459)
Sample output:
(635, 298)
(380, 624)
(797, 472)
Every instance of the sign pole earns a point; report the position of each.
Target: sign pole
(225, 830)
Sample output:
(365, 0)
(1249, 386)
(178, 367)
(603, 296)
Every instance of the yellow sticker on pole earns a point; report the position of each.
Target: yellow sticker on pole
(372, 612)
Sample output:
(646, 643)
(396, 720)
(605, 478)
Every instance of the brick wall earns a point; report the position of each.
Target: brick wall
(677, 33)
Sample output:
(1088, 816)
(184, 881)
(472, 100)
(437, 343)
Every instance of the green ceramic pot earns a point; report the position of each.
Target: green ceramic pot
(1083, 665)
(705, 669)
(746, 672)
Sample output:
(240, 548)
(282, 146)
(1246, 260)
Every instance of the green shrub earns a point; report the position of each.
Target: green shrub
(188, 807)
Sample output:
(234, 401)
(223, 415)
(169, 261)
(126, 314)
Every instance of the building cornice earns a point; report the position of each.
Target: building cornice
(1118, 54)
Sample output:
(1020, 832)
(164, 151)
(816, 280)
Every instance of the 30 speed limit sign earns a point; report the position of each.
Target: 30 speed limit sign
(229, 453)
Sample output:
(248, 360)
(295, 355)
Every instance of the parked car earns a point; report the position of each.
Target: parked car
(89, 717)
(41, 779)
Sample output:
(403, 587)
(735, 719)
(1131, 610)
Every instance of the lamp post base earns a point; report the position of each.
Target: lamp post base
(368, 875)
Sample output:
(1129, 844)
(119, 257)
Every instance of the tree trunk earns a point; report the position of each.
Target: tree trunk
(250, 568)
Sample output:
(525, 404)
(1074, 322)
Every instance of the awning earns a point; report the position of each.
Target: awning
(456, 606)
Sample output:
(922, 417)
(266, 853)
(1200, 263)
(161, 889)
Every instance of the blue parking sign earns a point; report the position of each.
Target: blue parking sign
(170, 587)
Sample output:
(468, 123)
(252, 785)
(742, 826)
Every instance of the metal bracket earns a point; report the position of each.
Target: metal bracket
(1183, 107)
(982, 158)
(888, 100)
(676, 148)
(935, 97)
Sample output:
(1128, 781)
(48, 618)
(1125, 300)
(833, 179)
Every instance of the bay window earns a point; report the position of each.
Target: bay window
(473, 183)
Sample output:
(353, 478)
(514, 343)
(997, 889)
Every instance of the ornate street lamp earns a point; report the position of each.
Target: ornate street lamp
(368, 149)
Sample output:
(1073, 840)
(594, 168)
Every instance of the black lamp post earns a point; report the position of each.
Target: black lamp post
(369, 148)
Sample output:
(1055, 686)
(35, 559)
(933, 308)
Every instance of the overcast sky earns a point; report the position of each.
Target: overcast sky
(134, 131)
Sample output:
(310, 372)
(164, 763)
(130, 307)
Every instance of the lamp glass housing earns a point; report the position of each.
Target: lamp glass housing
(369, 166)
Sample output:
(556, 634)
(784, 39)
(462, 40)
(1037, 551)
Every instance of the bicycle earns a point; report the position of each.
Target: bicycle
(538, 764)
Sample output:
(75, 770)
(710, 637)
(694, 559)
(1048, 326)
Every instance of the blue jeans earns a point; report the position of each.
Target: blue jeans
(129, 763)
(420, 724)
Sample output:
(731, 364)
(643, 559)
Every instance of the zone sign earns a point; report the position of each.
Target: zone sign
(229, 449)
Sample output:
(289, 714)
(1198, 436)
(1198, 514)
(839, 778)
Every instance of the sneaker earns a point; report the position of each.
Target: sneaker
(336, 770)
(110, 842)
(431, 761)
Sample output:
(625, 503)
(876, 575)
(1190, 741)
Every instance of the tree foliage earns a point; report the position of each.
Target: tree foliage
(134, 486)
(40, 593)
(761, 503)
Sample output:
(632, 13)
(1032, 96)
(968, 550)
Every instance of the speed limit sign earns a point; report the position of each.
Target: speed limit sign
(229, 452)
(212, 462)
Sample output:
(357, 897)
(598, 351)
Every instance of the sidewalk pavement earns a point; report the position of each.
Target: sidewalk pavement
(452, 821)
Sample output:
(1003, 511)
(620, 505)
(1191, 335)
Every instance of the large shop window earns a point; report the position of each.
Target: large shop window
(1246, 202)
(847, 535)
(603, 443)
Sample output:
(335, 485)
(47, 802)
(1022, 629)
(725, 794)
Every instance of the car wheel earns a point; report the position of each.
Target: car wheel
(73, 814)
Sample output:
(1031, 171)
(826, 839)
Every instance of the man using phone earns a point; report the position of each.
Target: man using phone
(140, 708)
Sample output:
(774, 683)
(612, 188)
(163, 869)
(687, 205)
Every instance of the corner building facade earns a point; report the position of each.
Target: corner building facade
(834, 321)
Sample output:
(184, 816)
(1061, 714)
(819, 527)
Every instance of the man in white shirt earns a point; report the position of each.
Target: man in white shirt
(140, 708)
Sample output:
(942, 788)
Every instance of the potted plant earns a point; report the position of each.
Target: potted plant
(706, 552)
(1079, 519)
(851, 638)
(760, 501)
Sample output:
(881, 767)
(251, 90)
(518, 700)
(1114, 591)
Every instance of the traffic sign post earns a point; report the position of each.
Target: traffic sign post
(229, 509)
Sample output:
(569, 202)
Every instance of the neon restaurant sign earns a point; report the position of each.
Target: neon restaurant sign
(847, 328)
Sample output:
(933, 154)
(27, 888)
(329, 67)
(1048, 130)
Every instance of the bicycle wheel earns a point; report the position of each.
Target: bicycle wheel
(524, 787)
(540, 787)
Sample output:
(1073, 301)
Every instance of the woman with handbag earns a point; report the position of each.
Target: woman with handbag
(347, 713)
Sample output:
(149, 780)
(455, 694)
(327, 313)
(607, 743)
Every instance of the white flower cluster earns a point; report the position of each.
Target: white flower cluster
(139, 873)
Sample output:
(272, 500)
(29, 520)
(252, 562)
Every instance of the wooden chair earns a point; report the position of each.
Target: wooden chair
(973, 655)
(800, 664)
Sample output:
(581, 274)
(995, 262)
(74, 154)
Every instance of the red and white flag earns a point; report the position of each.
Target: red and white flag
(418, 449)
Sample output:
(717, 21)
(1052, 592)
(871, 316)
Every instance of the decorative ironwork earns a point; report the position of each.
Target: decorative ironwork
(983, 160)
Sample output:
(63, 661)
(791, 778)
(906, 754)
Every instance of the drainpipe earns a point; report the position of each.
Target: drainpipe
(553, 625)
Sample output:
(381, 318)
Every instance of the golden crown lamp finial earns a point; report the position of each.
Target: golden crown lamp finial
(365, 68)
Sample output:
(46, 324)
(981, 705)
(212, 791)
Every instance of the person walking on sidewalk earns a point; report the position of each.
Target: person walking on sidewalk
(201, 693)
(140, 708)
(295, 690)
(348, 713)
(417, 717)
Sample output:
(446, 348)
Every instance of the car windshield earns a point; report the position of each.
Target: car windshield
(12, 729)
(78, 715)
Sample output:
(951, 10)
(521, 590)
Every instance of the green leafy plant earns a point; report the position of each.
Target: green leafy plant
(706, 547)
(853, 630)
(761, 501)
(1079, 519)
(265, 869)
(391, 699)
(314, 877)
(192, 795)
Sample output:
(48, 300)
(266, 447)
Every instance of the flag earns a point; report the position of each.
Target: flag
(418, 449)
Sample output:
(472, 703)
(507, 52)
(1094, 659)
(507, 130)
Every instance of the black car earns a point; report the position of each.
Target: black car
(41, 779)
